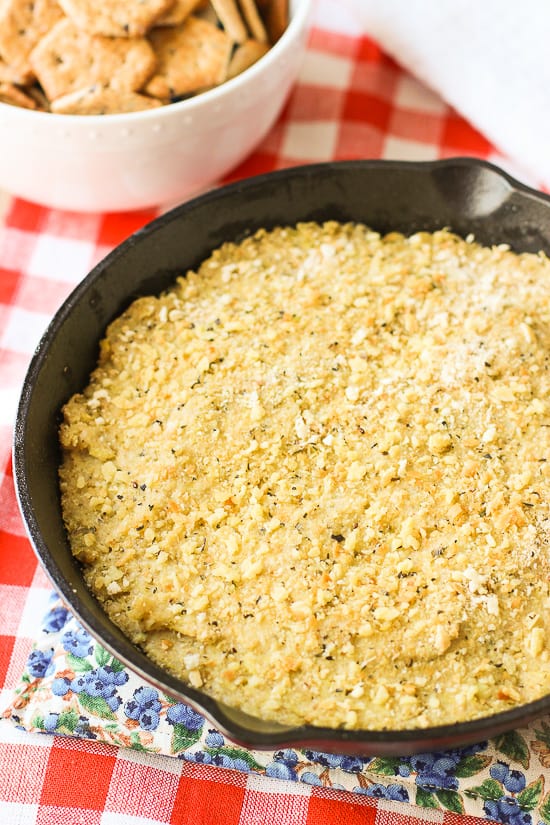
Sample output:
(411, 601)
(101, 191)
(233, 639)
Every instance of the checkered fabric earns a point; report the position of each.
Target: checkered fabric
(351, 101)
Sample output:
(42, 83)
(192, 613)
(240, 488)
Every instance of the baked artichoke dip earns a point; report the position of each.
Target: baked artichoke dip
(313, 478)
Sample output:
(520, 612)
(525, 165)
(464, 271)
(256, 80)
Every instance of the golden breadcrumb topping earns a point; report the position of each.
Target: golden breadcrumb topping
(313, 478)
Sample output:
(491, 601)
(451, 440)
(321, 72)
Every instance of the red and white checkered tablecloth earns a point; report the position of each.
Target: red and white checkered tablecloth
(351, 101)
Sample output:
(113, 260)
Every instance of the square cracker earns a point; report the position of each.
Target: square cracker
(231, 20)
(245, 56)
(190, 57)
(7, 74)
(206, 12)
(276, 17)
(115, 18)
(253, 20)
(68, 59)
(103, 100)
(179, 12)
(37, 94)
(22, 25)
(9, 93)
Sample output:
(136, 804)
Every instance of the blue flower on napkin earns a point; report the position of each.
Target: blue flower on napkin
(513, 780)
(55, 619)
(40, 663)
(144, 708)
(103, 682)
(394, 792)
(78, 642)
(350, 764)
(435, 770)
(507, 810)
(180, 714)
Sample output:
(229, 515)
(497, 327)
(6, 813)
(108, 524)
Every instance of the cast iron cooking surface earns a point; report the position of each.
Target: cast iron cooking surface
(465, 195)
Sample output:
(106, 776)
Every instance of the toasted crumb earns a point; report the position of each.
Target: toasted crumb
(313, 478)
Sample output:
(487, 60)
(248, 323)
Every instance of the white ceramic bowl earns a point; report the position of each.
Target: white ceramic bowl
(100, 163)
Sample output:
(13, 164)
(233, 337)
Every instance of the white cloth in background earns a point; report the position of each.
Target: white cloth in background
(489, 59)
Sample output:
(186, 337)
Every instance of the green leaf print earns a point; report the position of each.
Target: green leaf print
(101, 656)
(67, 722)
(384, 766)
(96, 705)
(543, 735)
(183, 738)
(470, 765)
(77, 664)
(136, 742)
(489, 789)
(38, 723)
(425, 799)
(529, 797)
(451, 801)
(514, 746)
(544, 810)
(237, 753)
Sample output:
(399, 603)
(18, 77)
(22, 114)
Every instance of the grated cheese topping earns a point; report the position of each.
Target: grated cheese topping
(313, 478)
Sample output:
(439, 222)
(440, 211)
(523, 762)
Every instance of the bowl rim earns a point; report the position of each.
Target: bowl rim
(336, 740)
(299, 17)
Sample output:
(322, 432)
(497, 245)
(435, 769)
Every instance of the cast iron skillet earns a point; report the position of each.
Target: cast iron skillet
(468, 196)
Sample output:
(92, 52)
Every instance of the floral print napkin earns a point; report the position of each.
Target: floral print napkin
(72, 686)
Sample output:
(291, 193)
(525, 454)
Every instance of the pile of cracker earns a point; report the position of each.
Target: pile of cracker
(85, 57)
